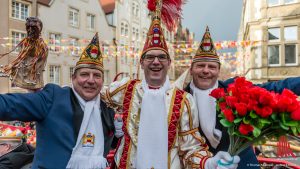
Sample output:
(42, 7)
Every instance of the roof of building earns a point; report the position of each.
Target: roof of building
(108, 6)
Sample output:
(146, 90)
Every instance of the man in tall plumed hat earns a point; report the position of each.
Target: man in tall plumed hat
(205, 70)
(160, 121)
(74, 127)
(26, 71)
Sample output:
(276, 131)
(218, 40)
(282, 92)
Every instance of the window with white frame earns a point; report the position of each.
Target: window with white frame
(16, 38)
(274, 34)
(273, 54)
(90, 21)
(290, 54)
(287, 43)
(54, 42)
(19, 10)
(290, 49)
(133, 9)
(74, 46)
(137, 33)
(54, 74)
(71, 69)
(290, 33)
(124, 28)
(74, 17)
(133, 33)
(137, 10)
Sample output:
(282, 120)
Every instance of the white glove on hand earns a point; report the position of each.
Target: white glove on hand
(222, 160)
(118, 122)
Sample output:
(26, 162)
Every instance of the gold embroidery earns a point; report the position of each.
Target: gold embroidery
(184, 133)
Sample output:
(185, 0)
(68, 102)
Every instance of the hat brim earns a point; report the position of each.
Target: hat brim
(90, 66)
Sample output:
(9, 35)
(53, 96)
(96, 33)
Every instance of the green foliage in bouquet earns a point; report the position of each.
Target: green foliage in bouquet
(252, 114)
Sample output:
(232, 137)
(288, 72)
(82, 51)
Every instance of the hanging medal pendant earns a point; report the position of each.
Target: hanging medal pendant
(88, 140)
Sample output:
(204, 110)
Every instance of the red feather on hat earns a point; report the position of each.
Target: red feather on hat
(171, 11)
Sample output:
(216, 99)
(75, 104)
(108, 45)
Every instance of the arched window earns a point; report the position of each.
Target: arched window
(144, 34)
(124, 28)
(135, 9)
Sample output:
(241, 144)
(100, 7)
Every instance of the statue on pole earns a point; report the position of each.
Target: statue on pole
(26, 71)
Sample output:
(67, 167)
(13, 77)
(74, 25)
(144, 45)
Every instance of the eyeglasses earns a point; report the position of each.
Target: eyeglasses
(151, 58)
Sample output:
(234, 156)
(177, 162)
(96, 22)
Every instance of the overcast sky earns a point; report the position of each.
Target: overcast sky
(222, 17)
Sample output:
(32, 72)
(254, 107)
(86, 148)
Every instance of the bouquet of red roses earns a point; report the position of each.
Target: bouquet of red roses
(252, 113)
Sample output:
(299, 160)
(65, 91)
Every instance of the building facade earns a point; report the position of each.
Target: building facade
(67, 36)
(269, 31)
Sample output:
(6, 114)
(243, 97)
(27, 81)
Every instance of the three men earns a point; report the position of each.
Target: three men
(74, 127)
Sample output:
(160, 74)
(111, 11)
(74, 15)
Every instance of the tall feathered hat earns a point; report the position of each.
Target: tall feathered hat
(206, 51)
(91, 57)
(168, 11)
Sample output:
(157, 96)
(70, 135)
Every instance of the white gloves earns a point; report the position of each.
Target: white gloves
(222, 160)
(118, 122)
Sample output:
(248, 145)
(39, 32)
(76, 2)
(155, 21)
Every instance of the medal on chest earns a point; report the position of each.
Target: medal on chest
(88, 140)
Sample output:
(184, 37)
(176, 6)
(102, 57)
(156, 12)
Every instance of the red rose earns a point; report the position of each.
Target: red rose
(223, 105)
(232, 89)
(218, 93)
(258, 110)
(245, 129)
(293, 107)
(251, 104)
(228, 114)
(231, 100)
(241, 108)
(295, 115)
(283, 103)
(288, 93)
(266, 112)
(266, 99)
(241, 81)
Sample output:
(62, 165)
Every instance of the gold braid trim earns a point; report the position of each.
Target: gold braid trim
(189, 112)
(108, 96)
(202, 141)
(188, 132)
(118, 90)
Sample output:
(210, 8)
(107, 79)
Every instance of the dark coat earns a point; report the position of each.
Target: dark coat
(18, 157)
(58, 118)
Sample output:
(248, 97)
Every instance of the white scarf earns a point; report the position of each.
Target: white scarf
(207, 113)
(152, 146)
(89, 156)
